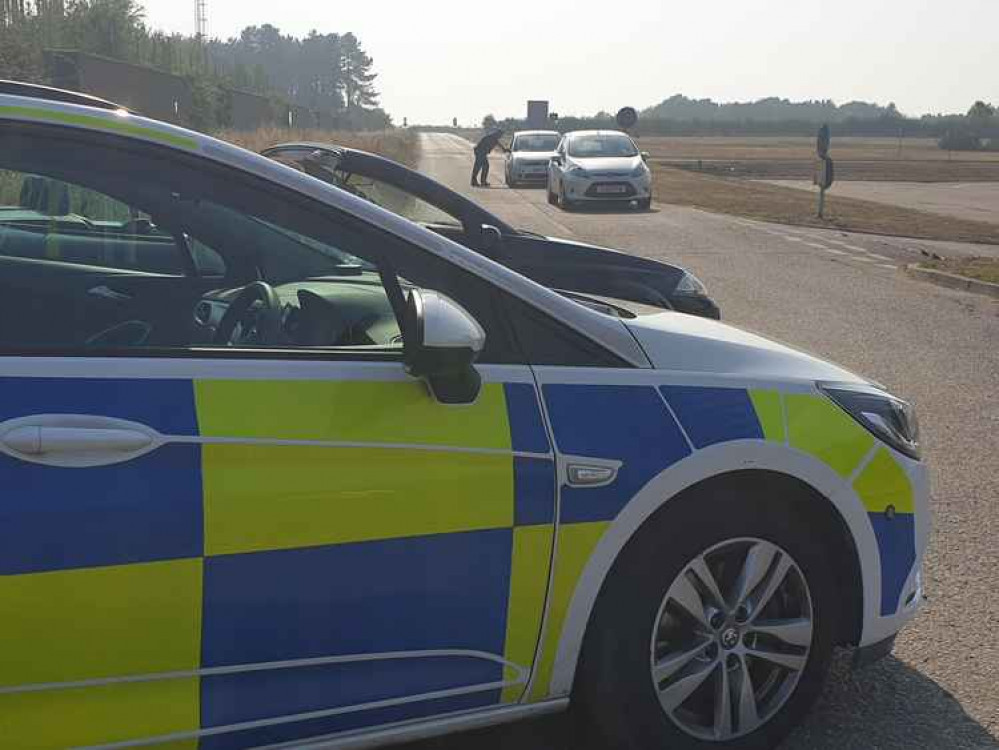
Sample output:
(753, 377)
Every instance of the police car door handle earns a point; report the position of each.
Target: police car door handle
(37, 440)
(75, 440)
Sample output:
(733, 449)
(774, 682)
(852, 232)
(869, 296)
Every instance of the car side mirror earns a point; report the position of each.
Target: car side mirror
(492, 238)
(645, 156)
(442, 342)
(557, 160)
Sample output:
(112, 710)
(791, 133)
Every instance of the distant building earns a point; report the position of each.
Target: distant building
(537, 114)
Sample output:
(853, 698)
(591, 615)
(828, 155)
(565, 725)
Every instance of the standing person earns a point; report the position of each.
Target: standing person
(482, 149)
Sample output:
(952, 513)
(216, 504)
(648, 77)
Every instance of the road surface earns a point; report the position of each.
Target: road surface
(844, 298)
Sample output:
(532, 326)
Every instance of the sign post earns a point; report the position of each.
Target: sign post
(627, 118)
(823, 168)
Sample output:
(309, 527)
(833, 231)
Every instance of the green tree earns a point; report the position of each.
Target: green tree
(489, 122)
(356, 74)
(981, 111)
(113, 28)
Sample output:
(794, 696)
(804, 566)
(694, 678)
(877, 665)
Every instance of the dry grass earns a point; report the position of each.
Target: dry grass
(399, 145)
(758, 200)
(917, 160)
(983, 269)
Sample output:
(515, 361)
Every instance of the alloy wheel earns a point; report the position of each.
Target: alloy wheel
(731, 639)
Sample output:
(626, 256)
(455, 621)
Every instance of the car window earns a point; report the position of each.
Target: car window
(598, 146)
(45, 218)
(240, 267)
(535, 142)
(394, 199)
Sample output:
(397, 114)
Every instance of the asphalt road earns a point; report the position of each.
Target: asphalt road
(841, 297)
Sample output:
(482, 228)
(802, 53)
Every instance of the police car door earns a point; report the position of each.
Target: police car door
(238, 520)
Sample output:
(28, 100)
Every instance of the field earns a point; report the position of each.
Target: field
(724, 175)
(891, 159)
(400, 145)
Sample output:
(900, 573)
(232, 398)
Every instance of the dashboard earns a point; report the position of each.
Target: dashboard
(316, 312)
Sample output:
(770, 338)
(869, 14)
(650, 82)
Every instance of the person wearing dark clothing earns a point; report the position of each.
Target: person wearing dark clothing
(482, 149)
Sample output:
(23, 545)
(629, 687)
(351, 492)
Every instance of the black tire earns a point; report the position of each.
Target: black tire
(565, 203)
(552, 198)
(613, 697)
(644, 204)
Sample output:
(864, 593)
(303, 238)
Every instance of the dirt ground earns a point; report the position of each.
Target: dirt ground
(785, 205)
(978, 201)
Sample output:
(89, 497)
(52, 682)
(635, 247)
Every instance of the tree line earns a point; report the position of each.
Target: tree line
(978, 129)
(321, 71)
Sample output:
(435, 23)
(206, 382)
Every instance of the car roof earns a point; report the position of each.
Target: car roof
(577, 133)
(536, 132)
(38, 91)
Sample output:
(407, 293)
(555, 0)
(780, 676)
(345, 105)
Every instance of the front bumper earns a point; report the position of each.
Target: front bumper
(614, 188)
(521, 172)
(886, 617)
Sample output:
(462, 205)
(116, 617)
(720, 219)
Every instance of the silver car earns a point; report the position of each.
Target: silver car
(530, 152)
(599, 165)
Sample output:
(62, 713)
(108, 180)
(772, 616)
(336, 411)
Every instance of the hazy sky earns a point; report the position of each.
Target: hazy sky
(439, 59)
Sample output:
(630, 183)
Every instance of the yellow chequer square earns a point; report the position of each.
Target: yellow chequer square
(817, 426)
(349, 411)
(265, 497)
(100, 622)
(92, 716)
(882, 483)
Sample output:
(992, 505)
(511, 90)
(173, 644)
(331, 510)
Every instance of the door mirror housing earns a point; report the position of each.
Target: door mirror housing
(645, 156)
(557, 159)
(442, 342)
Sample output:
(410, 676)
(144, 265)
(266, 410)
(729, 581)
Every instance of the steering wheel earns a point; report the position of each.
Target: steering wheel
(266, 324)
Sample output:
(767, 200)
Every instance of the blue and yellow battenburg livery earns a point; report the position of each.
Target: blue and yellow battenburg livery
(305, 557)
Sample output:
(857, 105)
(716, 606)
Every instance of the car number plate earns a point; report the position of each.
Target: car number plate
(611, 188)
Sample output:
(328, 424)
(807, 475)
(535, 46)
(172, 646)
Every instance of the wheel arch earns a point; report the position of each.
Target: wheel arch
(832, 503)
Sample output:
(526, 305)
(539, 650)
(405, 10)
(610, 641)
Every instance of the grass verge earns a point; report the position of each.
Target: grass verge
(982, 269)
(783, 205)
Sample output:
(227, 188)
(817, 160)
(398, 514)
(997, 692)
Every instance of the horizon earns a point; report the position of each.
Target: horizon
(908, 53)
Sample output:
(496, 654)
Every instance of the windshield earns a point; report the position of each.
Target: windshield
(536, 142)
(601, 146)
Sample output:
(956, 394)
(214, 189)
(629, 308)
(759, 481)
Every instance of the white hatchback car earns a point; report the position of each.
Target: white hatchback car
(598, 165)
(530, 152)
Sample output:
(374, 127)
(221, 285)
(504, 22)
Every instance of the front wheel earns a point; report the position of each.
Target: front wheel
(714, 629)
(644, 204)
(552, 197)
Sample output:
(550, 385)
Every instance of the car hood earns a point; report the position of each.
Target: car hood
(607, 164)
(673, 341)
(533, 155)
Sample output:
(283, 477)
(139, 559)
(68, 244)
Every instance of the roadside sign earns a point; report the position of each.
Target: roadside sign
(822, 142)
(824, 175)
(626, 118)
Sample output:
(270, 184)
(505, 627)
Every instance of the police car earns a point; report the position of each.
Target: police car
(282, 469)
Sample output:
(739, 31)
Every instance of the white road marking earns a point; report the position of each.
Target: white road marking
(792, 239)
(879, 257)
(886, 265)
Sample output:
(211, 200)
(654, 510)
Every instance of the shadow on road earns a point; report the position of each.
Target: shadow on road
(887, 705)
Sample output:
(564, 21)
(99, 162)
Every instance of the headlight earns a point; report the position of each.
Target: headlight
(640, 170)
(889, 419)
(579, 173)
(690, 284)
